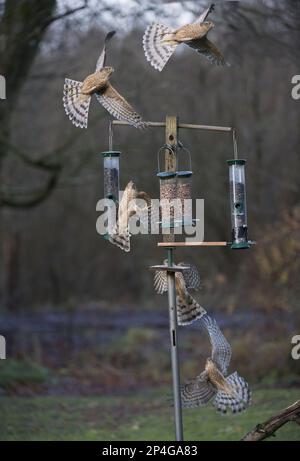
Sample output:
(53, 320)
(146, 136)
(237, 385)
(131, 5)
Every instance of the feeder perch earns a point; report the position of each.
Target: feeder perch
(111, 164)
(238, 204)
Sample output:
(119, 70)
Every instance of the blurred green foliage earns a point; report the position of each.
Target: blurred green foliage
(14, 373)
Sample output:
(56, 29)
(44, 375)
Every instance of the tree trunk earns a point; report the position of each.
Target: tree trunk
(22, 27)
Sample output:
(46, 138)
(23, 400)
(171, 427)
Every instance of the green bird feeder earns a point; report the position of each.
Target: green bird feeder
(238, 206)
(111, 170)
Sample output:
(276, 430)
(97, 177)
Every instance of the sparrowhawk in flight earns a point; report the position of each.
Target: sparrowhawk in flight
(160, 41)
(227, 392)
(77, 95)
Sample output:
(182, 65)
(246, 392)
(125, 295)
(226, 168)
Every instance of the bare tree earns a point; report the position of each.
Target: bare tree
(23, 24)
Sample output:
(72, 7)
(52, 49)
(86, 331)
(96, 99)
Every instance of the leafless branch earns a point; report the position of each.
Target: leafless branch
(67, 13)
(269, 427)
(36, 196)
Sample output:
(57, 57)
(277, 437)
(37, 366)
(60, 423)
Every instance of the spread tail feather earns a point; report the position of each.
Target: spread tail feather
(156, 52)
(188, 311)
(224, 401)
(75, 103)
(121, 240)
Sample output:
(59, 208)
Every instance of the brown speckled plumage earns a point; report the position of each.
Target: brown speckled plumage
(189, 32)
(160, 41)
(96, 81)
(229, 392)
(77, 95)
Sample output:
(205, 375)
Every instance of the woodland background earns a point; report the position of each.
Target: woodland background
(79, 315)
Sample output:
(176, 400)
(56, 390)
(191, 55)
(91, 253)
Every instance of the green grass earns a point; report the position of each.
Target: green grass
(138, 416)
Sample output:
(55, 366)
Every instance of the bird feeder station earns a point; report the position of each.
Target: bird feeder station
(238, 205)
(111, 168)
(176, 183)
(168, 190)
(184, 190)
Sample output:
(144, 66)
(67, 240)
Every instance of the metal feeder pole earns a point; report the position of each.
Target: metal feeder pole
(170, 165)
(174, 350)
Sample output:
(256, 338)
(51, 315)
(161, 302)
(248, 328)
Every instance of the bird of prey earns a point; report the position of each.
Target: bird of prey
(188, 309)
(131, 203)
(77, 95)
(228, 392)
(160, 41)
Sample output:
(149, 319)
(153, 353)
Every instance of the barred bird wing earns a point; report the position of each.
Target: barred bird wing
(221, 349)
(76, 104)
(188, 309)
(131, 203)
(102, 58)
(129, 195)
(191, 276)
(205, 13)
(117, 106)
(208, 50)
(160, 282)
(224, 401)
(156, 52)
(197, 392)
(121, 235)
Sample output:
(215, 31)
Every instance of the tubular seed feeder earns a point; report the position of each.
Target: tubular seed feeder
(111, 172)
(184, 190)
(111, 168)
(168, 190)
(238, 204)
